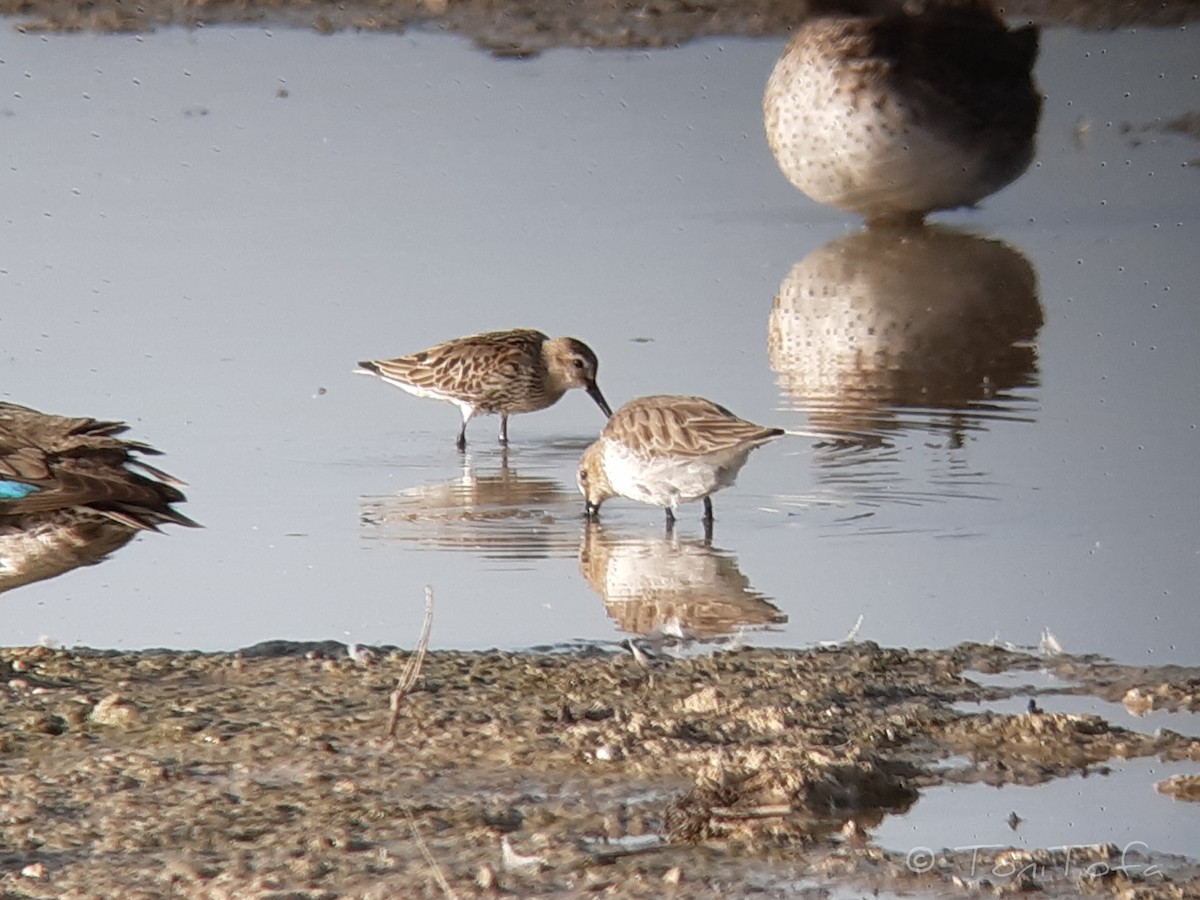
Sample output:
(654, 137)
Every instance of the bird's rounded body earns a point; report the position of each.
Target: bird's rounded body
(667, 449)
(668, 480)
(896, 114)
(498, 372)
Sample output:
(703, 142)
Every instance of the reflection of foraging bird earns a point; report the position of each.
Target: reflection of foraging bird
(655, 586)
(895, 113)
(503, 372)
(71, 492)
(497, 514)
(665, 450)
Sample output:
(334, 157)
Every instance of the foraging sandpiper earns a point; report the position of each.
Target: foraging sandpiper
(503, 372)
(665, 450)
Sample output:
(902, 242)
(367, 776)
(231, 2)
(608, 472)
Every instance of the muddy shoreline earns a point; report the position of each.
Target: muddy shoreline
(269, 773)
(526, 27)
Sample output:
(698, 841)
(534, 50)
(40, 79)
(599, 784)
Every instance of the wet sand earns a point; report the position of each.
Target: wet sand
(525, 27)
(270, 773)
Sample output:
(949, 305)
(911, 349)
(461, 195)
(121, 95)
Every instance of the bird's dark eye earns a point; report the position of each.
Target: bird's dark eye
(579, 363)
(582, 475)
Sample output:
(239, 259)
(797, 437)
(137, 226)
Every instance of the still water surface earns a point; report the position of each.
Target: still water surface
(203, 231)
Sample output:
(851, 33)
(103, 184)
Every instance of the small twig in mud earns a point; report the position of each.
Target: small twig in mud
(606, 853)
(424, 848)
(640, 657)
(756, 812)
(413, 669)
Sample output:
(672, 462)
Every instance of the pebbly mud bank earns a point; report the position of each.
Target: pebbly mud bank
(270, 772)
(526, 27)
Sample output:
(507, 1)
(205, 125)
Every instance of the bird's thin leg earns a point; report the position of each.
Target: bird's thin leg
(467, 413)
(708, 532)
(708, 516)
(670, 522)
(504, 428)
(461, 443)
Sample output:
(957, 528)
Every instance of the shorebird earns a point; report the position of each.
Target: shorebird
(503, 372)
(71, 492)
(892, 111)
(665, 450)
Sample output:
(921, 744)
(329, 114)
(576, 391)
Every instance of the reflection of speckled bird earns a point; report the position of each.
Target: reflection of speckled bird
(71, 491)
(903, 110)
(916, 318)
(503, 372)
(660, 585)
(665, 450)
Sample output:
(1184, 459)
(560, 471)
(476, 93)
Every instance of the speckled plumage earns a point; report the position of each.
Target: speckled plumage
(901, 111)
(73, 491)
(497, 372)
(668, 449)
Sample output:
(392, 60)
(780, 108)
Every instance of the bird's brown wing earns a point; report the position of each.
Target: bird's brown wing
(683, 426)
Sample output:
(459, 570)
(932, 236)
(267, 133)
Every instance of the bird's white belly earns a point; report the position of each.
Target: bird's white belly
(880, 157)
(667, 481)
(467, 409)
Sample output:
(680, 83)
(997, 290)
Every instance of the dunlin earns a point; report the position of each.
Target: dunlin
(503, 372)
(901, 111)
(665, 450)
(71, 492)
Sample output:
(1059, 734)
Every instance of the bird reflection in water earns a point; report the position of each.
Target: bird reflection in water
(72, 491)
(894, 109)
(500, 514)
(877, 330)
(670, 586)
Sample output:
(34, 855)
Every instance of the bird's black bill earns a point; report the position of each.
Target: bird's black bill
(592, 511)
(594, 392)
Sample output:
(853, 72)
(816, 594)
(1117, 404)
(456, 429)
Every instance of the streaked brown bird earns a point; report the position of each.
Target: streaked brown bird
(504, 372)
(665, 450)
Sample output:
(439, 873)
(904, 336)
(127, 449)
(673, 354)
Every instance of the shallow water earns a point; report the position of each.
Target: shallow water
(1113, 713)
(1049, 693)
(204, 230)
(1120, 806)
